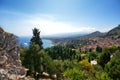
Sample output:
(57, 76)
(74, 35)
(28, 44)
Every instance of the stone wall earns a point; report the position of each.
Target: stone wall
(10, 63)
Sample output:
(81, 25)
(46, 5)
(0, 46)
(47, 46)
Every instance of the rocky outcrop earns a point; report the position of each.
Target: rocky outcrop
(10, 63)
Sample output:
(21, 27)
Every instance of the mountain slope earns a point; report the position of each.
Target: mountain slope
(95, 34)
(114, 31)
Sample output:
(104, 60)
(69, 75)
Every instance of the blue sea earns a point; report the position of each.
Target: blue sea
(25, 42)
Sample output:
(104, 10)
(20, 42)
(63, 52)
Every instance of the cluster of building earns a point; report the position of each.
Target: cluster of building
(94, 42)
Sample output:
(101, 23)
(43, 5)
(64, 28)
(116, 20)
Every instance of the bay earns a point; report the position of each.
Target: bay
(25, 42)
(47, 43)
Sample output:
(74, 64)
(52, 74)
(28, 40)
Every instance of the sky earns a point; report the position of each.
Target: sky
(58, 16)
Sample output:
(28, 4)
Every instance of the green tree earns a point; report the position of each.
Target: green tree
(22, 52)
(37, 60)
(73, 74)
(99, 49)
(61, 52)
(113, 49)
(31, 60)
(47, 62)
(92, 55)
(104, 58)
(86, 65)
(36, 38)
(113, 67)
(102, 76)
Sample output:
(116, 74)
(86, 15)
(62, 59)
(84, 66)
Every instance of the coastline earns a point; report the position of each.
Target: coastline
(25, 42)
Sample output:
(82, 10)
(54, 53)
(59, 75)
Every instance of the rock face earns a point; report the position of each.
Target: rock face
(10, 63)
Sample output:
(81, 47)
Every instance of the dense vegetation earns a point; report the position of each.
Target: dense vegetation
(70, 63)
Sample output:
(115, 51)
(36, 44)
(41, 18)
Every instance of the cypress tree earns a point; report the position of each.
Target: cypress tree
(36, 38)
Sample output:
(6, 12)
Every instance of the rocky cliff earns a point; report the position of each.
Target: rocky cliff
(10, 63)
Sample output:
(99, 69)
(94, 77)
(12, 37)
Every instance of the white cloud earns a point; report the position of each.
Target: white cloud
(49, 27)
(48, 24)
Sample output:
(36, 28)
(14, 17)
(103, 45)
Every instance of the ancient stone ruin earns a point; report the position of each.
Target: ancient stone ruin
(10, 63)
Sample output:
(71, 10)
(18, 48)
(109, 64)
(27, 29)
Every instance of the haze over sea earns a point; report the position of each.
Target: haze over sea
(25, 42)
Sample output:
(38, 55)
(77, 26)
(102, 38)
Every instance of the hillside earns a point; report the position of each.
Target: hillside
(92, 40)
(95, 34)
(78, 39)
(115, 31)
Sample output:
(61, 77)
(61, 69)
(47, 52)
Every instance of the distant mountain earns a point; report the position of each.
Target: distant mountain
(65, 35)
(114, 31)
(95, 34)
(74, 35)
